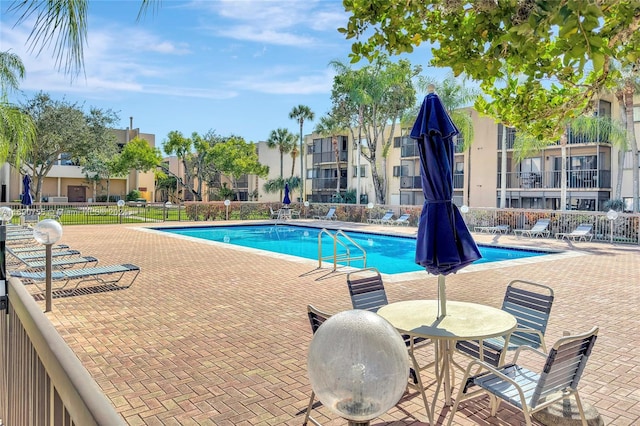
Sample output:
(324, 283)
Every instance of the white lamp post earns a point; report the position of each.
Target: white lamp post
(358, 365)
(464, 209)
(306, 209)
(48, 232)
(167, 206)
(120, 206)
(612, 215)
(5, 215)
(227, 203)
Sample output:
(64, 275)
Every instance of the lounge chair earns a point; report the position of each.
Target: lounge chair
(537, 230)
(387, 216)
(331, 215)
(531, 390)
(581, 233)
(41, 254)
(37, 248)
(402, 220)
(531, 304)
(498, 229)
(108, 275)
(60, 263)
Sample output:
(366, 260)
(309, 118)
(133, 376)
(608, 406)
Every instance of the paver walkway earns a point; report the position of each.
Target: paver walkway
(210, 335)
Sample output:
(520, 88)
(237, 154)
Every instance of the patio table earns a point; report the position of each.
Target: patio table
(464, 321)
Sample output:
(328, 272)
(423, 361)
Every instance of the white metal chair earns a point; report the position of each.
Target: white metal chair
(532, 390)
(531, 304)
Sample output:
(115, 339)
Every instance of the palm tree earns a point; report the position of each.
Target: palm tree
(301, 113)
(17, 129)
(330, 126)
(283, 140)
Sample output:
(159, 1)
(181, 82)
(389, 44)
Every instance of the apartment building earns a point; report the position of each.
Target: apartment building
(533, 182)
(66, 181)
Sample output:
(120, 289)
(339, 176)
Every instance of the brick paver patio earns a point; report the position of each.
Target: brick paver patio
(211, 335)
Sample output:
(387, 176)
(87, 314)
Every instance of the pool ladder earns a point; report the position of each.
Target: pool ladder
(340, 257)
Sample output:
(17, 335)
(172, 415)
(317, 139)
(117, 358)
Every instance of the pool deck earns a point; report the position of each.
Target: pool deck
(212, 335)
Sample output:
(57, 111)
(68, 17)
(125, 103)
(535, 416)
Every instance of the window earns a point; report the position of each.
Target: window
(65, 160)
(400, 171)
(363, 171)
(459, 167)
(636, 113)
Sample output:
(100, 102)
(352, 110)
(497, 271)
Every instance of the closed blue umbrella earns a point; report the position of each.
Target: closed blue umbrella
(444, 245)
(27, 199)
(286, 201)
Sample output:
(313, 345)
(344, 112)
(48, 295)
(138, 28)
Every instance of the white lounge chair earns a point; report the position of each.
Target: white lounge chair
(537, 230)
(331, 215)
(498, 229)
(401, 221)
(108, 275)
(581, 233)
(387, 216)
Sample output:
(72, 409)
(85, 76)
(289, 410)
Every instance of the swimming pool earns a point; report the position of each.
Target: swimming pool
(391, 254)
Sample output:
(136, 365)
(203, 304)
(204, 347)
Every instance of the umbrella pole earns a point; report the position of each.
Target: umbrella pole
(442, 296)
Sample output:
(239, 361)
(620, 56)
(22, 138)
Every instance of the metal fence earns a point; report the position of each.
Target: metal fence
(624, 229)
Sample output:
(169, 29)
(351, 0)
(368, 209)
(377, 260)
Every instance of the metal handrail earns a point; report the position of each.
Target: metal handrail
(344, 257)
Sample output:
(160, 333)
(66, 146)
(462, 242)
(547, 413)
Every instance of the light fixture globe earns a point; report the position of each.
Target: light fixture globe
(306, 204)
(120, 203)
(464, 209)
(370, 205)
(612, 214)
(358, 365)
(5, 214)
(227, 203)
(167, 204)
(47, 231)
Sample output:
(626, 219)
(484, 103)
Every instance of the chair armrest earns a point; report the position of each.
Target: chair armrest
(527, 348)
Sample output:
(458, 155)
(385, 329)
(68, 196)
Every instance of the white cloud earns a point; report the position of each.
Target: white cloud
(280, 81)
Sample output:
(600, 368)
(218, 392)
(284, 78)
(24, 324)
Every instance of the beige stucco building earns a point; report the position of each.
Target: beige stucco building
(66, 182)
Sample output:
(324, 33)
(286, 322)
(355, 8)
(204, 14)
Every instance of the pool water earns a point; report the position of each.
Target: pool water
(390, 254)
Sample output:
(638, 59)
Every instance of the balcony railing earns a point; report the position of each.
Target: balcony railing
(328, 184)
(415, 182)
(576, 179)
(329, 157)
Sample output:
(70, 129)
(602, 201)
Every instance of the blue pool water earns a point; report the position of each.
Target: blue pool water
(390, 254)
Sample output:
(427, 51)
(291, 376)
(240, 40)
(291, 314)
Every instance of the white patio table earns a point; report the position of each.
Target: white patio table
(464, 321)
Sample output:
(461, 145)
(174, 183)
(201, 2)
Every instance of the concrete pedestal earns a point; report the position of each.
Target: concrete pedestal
(565, 413)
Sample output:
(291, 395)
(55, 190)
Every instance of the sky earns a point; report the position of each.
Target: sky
(236, 67)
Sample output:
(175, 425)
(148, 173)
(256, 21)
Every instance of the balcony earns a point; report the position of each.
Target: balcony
(576, 179)
(415, 182)
(328, 184)
(329, 157)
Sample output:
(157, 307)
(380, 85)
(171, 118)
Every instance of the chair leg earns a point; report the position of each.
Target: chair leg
(580, 409)
(307, 416)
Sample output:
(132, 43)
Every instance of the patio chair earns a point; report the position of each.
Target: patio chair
(331, 215)
(108, 275)
(581, 233)
(366, 289)
(386, 217)
(531, 304)
(274, 214)
(402, 220)
(316, 318)
(532, 390)
(539, 229)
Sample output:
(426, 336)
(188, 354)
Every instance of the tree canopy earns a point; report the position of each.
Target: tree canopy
(540, 62)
